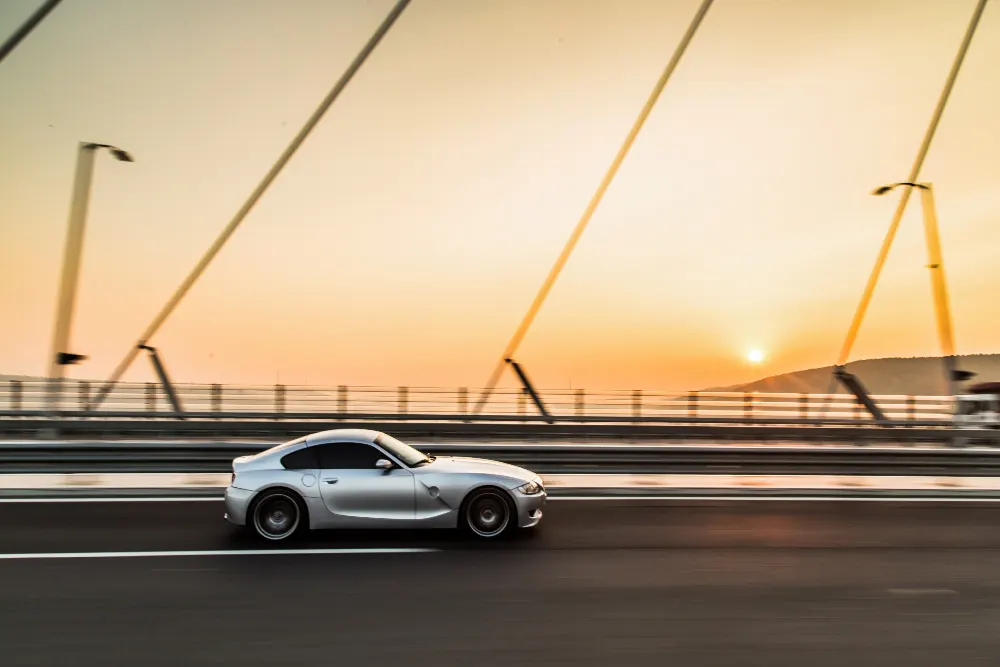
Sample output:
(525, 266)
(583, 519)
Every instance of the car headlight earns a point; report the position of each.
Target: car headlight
(532, 488)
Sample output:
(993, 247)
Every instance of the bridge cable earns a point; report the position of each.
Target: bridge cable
(904, 198)
(581, 225)
(276, 168)
(27, 27)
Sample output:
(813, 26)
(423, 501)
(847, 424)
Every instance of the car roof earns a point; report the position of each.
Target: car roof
(343, 434)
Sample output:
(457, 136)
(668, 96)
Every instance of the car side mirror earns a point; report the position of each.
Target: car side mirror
(383, 464)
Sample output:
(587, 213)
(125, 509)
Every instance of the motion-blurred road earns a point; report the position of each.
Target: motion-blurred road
(618, 582)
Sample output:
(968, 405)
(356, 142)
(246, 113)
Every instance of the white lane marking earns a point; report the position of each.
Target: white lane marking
(802, 484)
(732, 498)
(240, 552)
(132, 483)
(140, 480)
(116, 499)
(797, 499)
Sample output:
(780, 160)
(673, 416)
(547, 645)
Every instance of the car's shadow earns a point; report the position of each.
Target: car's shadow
(244, 538)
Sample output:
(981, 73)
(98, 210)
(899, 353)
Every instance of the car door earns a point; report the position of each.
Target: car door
(356, 492)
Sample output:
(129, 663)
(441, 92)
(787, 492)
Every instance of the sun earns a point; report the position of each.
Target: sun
(755, 356)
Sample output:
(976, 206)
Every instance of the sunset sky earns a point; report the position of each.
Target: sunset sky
(405, 240)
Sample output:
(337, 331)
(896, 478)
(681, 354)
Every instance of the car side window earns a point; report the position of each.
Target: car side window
(348, 456)
(302, 459)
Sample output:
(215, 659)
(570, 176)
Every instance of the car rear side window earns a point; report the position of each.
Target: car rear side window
(347, 456)
(301, 459)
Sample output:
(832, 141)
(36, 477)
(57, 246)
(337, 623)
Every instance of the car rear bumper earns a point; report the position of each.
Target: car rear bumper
(237, 503)
(529, 508)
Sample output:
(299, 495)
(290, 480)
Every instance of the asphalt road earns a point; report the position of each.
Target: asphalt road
(601, 583)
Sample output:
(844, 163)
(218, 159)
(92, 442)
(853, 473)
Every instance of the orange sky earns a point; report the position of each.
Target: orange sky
(405, 240)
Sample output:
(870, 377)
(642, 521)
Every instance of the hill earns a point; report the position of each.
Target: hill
(916, 376)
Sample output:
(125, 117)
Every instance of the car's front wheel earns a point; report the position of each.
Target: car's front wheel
(277, 515)
(488, 513)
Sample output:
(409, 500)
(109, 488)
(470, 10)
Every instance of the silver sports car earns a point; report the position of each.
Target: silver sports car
(365, 479)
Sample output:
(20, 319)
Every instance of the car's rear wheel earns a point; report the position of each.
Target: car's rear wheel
(278, 514)
(488, 513)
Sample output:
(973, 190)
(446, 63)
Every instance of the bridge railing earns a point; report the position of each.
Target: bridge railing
(278, 401)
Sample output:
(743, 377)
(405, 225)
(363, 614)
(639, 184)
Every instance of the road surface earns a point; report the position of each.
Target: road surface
(609, 583)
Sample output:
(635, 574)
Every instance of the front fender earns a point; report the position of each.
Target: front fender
(452, 489)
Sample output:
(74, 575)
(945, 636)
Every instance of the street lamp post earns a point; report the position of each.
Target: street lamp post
(60, 356)
(935, 262)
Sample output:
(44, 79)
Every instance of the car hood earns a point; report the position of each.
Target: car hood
(462, 464)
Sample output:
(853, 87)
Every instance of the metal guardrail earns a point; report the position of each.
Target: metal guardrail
(376, 418)
(545, 458)
(493, 427)
(279, 402)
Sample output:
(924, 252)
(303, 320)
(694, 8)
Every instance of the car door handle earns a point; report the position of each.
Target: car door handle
(331, 481)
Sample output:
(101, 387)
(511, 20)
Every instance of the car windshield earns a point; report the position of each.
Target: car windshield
(402, 451)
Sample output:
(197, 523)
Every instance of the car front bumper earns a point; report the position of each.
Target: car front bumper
(237, 503)
(529, 508)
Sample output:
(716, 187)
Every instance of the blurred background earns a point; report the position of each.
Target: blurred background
(407, 237)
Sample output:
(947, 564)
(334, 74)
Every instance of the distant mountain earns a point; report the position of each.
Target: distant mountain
(913, 376)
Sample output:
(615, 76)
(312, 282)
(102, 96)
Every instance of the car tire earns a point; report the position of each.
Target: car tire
(278, 514)
(488, 513)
